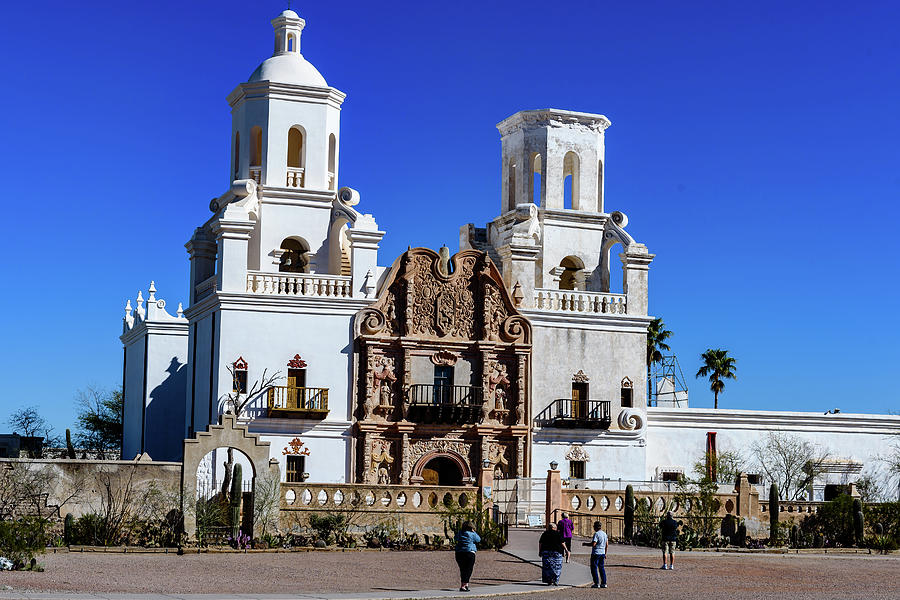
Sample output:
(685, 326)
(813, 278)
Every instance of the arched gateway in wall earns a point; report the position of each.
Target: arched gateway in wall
(441, 362)
(227, 434)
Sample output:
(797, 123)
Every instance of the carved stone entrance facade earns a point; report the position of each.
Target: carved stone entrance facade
(441, 362)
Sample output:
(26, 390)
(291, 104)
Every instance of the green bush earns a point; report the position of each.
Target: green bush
(329, 528)
(887, 515)
(882, 543)
(22, 539)
(493, 535)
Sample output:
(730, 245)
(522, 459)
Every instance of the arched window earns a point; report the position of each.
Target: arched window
(571, 177)
(536, 191)
(511, 185)
(570, 278)
(627, 391)
(256, 146)
(239, 376)
(291, 42)
(295, 148)
(332, 159)
(237, 153)
(295, 258)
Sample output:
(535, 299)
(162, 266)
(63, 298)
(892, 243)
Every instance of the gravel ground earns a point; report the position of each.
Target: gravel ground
(268, 573)
(742, 577)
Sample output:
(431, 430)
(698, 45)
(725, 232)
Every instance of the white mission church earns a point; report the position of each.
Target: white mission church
(514, 350)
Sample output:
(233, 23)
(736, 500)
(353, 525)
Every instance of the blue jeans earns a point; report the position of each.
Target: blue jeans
(598, 572)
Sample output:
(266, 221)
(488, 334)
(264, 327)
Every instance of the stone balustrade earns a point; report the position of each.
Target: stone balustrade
(295, 177)
(579, 302)
(412, 508)
(299, 284)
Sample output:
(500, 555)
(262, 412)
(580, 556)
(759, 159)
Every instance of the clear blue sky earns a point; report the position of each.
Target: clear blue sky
(754, 148)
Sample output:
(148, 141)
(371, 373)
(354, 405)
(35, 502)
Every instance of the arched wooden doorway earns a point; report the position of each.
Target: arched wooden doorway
(440, 468)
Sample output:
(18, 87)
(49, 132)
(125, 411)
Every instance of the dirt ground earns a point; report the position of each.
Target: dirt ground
(633, 573)
(743, 577)
(264, 573)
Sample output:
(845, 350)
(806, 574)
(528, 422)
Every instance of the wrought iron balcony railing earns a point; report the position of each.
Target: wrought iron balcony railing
(567, 412)
(298, 402)
(430, 403)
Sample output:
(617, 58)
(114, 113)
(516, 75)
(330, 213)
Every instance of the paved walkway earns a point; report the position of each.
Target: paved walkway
(522, 544)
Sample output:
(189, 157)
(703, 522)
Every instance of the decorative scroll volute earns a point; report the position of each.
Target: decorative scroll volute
(469, 302)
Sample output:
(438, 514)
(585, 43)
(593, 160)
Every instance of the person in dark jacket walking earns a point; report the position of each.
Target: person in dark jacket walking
(466, 539)
(551, 550)
(668, 530)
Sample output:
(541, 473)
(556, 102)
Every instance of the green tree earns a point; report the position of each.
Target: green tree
(657, 334)
(28, 422)
(100, 420)
(718, 366)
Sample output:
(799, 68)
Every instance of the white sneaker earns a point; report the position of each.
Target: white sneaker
(671, 567)
(664, 567)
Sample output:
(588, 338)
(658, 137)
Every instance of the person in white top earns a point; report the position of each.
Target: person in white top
(598, 544)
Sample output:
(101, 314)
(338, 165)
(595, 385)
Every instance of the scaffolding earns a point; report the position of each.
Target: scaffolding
(667, 385)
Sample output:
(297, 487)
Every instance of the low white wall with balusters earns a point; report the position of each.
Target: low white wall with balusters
(299, 284)
(580, 302)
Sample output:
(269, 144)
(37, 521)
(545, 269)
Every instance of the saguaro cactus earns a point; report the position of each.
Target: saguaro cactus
(70, 449)
(774, 509)
(235, 501)
(629, 512)
(859, 522)
(68, 526)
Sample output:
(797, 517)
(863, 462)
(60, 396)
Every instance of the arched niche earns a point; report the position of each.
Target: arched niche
(227, 434)
(294, 256)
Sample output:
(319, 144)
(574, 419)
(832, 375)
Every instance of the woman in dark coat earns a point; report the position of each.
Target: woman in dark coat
(552, 550)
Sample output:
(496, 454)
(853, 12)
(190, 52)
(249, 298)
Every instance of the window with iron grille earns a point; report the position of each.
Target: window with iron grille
(576, 469)
(295, 467)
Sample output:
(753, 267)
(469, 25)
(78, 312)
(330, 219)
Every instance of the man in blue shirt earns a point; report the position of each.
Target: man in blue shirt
(598, 546)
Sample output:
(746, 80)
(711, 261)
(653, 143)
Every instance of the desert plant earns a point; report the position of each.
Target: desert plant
(328, 528)
(68, 526)
(858, 522)
(493, 535)
(70, 448)
(21, 539)
(629, 513)
(741, 535)
(234, 501)
(882, 543)
(774, 509)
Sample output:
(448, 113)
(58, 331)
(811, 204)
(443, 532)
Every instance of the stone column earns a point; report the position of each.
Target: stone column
(636, 262)
(554, 495)
(486, 484)
(232, 231)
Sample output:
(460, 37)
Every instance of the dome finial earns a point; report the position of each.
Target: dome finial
(288, 27)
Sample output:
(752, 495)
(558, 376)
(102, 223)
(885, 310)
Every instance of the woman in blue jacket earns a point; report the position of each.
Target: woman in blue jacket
(465, 553)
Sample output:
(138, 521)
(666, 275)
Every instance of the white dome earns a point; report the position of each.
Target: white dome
(288, 68)
(289, 14)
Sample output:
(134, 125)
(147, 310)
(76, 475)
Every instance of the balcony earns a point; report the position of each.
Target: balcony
(581, 414)
(295, 177)
(458, 404)
(297, 402)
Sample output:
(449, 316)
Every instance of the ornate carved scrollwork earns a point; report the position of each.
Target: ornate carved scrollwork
(580, 377)
(577, 452)
(631, 419)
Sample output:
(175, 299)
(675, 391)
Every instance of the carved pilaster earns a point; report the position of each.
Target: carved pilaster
(521, 390)
(404, 459)
(520, 457)
(367, 457)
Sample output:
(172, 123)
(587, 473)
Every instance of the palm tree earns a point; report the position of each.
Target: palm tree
(718, 366)
(657, 334)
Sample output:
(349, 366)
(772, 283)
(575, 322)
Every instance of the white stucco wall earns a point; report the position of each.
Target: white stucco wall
(677, 436)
